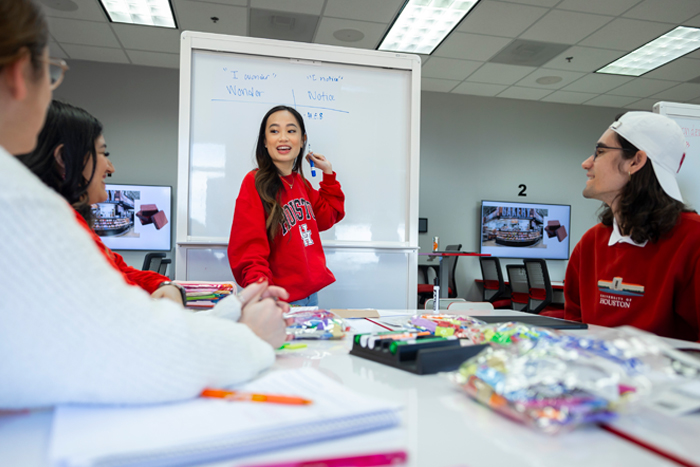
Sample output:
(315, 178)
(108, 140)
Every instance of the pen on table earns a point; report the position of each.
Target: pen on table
(371, 460)
(253, 397)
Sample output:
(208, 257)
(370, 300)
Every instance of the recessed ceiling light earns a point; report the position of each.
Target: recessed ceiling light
(144, 12)
(423, 24)
(660, 51)
(348, 35)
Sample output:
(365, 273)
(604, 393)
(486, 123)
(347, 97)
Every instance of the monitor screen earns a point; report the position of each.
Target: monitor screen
(525, 230)
(135, 217)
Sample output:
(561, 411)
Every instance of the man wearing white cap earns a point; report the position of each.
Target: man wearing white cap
(641, 265)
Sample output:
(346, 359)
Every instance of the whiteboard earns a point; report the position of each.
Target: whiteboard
(688, 117)
(361, 109)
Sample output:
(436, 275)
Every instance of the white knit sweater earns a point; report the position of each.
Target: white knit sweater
(71, 329)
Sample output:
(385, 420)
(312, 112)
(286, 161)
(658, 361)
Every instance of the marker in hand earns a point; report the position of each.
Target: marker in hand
(311, 162)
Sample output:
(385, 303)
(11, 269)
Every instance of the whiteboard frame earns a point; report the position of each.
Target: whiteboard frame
(675, 109)
(196, 41)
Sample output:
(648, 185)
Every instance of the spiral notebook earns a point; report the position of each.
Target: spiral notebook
(204, 430)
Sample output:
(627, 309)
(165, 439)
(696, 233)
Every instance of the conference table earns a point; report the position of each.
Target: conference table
(441, 427)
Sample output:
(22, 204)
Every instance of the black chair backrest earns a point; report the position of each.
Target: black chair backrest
(451, 265)
(517, 276)
(151, 262)
(539, 285)
(163, 268)
(491, 272)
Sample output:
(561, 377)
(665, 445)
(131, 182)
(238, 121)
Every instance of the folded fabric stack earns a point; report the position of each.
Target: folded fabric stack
(206, 294)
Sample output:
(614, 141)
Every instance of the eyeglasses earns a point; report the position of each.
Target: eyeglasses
(600, 149)
(57, 70)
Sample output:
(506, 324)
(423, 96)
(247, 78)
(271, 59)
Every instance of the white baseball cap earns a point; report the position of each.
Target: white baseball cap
(663, 141)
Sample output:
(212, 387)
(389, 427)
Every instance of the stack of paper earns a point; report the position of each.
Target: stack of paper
(210, 429)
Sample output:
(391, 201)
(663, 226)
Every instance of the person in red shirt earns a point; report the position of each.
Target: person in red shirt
(278, 214)
(640, 265)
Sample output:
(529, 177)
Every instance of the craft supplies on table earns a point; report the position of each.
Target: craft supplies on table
(318, 324)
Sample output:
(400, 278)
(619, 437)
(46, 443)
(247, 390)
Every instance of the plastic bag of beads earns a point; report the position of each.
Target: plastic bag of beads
(317, 324)
(561, 381)
(510, 332)
(446, 325)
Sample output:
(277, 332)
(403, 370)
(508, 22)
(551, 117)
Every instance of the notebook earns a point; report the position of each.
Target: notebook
(205, 430)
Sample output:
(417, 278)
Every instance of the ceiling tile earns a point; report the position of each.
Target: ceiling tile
(95, 54)
(146, 38)
(438, 85)
(626, 34)
(73, 31)
(87, 9)
(695, 55)
(671, 11)
(489, 18)
(600, 7)
(693, 22)
(642, 104)
(449, 68)
(373, 32)
(684, 92)
(565, 97)
(496, 73)
(567, 77)
(611, 101)
(547, 3)
(158, 59)
(681, 69)
(642, 87)
(470, 46)
(382, 11)
(479, 89)
(565, 27)
(597, 83)
(586, 59)
(56, 51)
(307, 7)
(515, 92)
(196, 16)
(696, 101)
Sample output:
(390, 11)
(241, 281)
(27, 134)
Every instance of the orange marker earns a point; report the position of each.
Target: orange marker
(247, 396)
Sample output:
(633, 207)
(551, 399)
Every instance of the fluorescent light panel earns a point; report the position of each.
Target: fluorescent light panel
(423, 24)
(145, 12)
(660, 51)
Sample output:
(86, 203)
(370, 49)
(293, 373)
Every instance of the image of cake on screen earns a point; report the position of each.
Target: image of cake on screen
(524, 230)
(134, 217)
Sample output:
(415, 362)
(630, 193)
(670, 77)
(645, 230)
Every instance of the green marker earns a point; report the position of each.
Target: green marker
(396, 344)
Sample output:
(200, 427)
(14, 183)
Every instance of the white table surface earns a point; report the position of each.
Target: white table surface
(441, 426)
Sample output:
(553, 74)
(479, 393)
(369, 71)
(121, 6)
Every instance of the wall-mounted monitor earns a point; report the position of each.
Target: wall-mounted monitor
(135, 217)
(525, 230)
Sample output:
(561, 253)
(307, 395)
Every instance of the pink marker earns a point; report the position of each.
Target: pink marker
(371, 460)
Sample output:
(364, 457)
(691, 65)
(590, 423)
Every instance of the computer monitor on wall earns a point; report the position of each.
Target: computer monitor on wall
(525, 230)
(135, 217)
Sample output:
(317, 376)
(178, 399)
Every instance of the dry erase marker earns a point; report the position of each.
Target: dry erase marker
(371, 460)
(252, 397)
(311, 162)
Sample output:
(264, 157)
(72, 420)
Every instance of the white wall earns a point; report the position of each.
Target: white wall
(472, 148)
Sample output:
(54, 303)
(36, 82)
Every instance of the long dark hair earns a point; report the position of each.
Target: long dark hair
(22, 26)
(646, 211)
(267, 178)
(76, 130)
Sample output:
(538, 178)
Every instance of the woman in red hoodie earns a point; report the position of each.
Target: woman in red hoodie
(278, 214)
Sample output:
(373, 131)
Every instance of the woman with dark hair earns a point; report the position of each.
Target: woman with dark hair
(71, 158)
(278, 215)
(72, 329)
(640, 265)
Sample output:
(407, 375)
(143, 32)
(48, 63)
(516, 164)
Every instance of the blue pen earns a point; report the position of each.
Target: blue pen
(311, 162)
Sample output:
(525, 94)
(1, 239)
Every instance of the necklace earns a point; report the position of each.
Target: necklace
(290, 185)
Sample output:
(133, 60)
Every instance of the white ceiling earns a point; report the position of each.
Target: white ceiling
(596, 31)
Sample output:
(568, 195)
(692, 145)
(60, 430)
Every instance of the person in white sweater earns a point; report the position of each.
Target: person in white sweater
(71, 329)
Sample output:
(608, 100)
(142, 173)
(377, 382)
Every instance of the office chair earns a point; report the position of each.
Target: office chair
(163, 268)
(540, 289)
(520, 295)
(151, 262)
(425, 291)
(495, 289)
